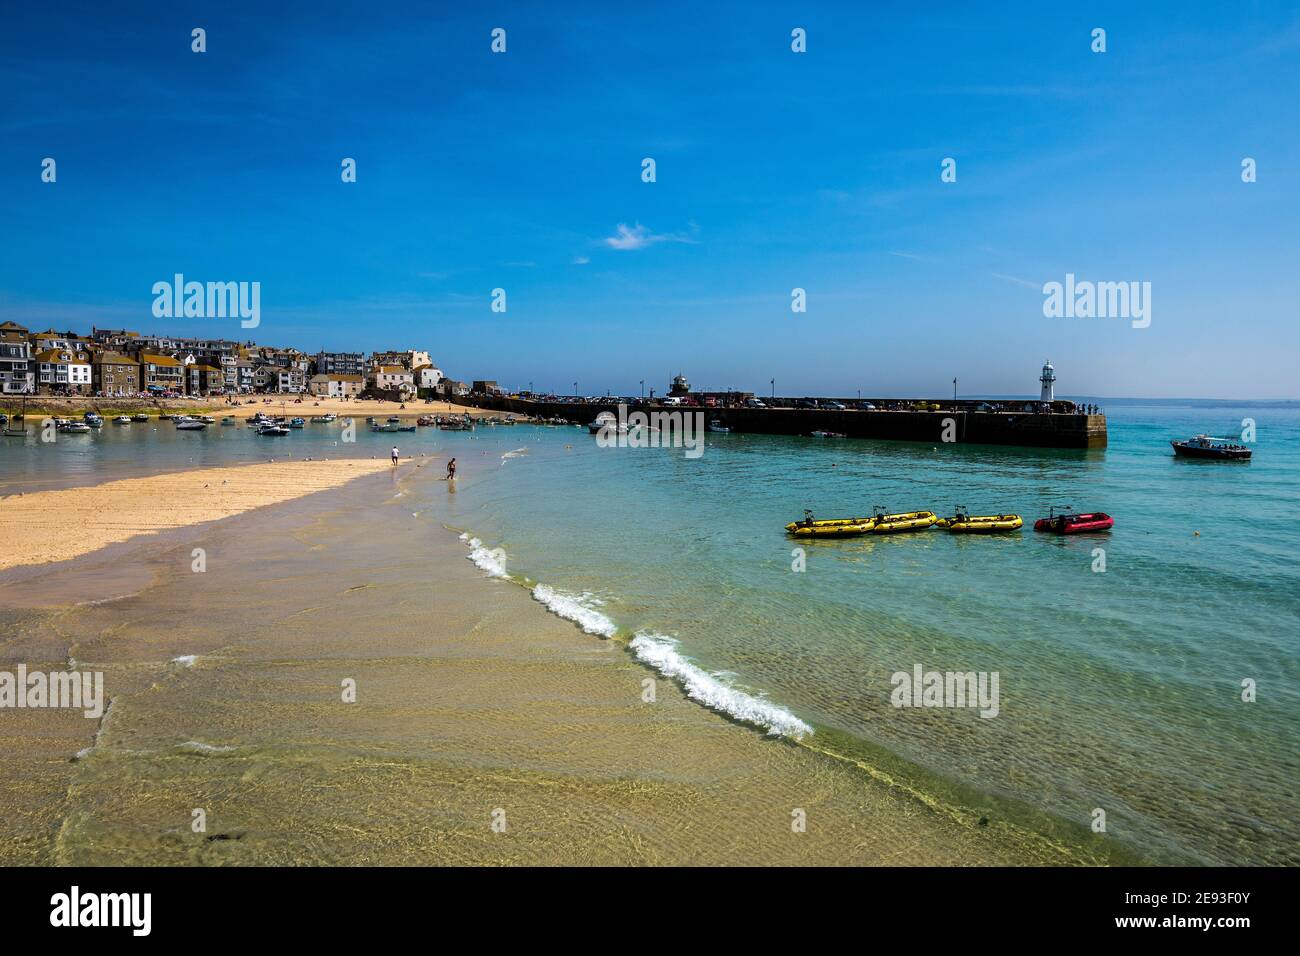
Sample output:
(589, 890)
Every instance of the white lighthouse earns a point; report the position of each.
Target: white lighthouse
(1048, 380)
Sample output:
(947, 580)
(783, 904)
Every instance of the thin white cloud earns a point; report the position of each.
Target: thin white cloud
(628, 238)
(1018, 281)
(581, 260)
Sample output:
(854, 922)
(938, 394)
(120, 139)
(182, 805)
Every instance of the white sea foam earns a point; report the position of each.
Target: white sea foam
(660, 652)
(186, 660)
(491, 560)
(578, 608)
(199, 747)
(517, 453)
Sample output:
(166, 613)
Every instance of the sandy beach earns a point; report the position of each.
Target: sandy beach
(48, 526)
(483, 730)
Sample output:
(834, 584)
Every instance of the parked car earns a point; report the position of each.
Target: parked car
(838, 406)
(754, 403)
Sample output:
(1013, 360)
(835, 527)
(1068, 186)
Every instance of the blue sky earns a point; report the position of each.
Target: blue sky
(775, 170)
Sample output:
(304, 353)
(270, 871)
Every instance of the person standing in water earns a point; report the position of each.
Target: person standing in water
(451, 470)
(394, 454)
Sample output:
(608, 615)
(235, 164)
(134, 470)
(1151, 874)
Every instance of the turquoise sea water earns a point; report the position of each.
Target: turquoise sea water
(1120, 691)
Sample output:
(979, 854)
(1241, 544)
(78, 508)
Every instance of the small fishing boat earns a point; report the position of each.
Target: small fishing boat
(229, 420)
(139, 417)
(68, 426)
(93, 419)
(205, 419)
(297, 423)
(322, 419)
(122, 420)
(963, 522)
(426, 421)
(190, 425)
(821, 434)
(272, 430)
(393, 420)
(1219, 449)
(897, 523)
(607, 422)
(717, 426)
(1071, 522)
(21, 431)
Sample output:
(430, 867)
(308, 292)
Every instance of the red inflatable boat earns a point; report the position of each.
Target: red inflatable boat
(1070, 523)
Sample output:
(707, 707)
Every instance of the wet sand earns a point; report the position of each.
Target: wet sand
(474, 707)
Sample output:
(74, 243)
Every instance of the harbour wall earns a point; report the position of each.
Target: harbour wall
(1038, 430)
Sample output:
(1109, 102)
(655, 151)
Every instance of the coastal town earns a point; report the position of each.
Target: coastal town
(117, 363)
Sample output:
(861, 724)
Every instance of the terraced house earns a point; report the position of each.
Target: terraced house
(115, 375)
(203, 379)
(63, 371)
(161, 373)
(337, 385)
(393, 379)
(16, 376)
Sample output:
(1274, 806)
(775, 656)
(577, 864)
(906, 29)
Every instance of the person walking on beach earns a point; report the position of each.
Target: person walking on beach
(451, 470)
(394, 454)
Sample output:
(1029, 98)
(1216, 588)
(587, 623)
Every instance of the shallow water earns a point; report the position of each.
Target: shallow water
(1119, 691)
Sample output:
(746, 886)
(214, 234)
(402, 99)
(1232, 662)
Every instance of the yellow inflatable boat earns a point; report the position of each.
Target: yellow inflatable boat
(909, 521)
(841, 528)
(811, 527)
(962, 523)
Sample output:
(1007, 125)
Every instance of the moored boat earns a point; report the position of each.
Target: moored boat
(906, 521)
(68, 426)
(1218, 449)
(821, 434)
(229, 420)
(716, 426)
(962, 522)
(811, 527)
(122, 420)
(607, 422)
(190, 425)
(139, 417)
(272, 430)
(1071, 522)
